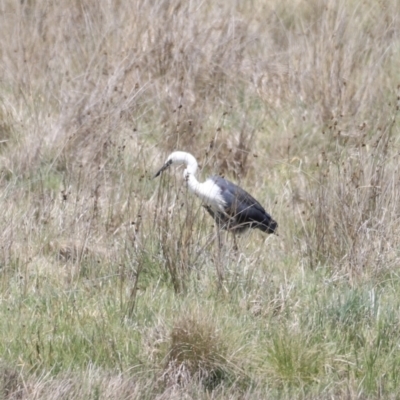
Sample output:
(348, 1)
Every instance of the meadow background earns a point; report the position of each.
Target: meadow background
(111, 283)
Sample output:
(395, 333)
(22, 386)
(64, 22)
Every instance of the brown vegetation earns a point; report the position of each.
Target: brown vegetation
(109, 283)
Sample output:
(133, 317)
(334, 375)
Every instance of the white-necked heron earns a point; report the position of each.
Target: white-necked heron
(231, 206)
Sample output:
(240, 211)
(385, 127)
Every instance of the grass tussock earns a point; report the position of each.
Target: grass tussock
(113, 285)
(196, 352)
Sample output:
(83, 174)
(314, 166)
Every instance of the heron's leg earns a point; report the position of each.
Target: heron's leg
(235, 246)
(219, 239)
(219, 266)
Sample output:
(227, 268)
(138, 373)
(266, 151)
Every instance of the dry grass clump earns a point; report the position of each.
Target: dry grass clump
(196, 352)
(11, 383)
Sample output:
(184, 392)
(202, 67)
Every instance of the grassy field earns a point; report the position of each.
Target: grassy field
(112, 285)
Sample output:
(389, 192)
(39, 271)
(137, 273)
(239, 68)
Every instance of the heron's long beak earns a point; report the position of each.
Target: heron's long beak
(163, 168)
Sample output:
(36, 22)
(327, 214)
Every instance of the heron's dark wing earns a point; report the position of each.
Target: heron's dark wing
(243, 209)
(224, 221)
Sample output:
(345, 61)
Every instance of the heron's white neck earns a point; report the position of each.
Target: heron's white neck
(191, 163)
(207, 191)
(189, 174)
(190, 171)
(193, 184)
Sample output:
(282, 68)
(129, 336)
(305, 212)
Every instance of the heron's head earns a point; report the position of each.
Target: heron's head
(179, 157)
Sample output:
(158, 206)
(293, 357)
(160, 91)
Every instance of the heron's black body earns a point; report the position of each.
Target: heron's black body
(242, 211)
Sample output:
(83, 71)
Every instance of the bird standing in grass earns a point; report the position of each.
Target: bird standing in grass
(232, 207)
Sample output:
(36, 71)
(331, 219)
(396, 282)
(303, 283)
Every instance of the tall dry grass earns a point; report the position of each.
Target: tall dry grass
(112, 285)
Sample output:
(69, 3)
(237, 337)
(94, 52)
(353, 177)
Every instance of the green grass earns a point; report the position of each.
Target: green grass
(291, 334)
